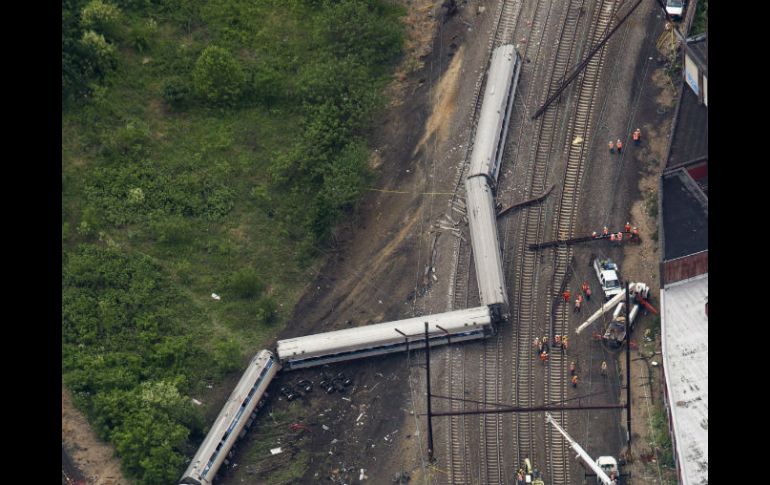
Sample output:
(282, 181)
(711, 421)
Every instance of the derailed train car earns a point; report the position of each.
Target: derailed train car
(385, 338)
(480, 184)
(474, 323)
(236, 417)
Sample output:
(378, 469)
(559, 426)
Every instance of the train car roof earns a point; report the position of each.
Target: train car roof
(486, 244)
(382, 333)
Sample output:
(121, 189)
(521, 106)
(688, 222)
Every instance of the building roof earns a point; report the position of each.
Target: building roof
(698, 48)
(690, 137)
(684, 327)
(684, 211)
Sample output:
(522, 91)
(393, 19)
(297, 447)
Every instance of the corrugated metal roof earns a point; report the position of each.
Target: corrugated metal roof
(684, 327)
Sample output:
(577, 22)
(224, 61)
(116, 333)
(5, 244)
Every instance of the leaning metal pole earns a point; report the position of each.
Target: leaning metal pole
(579, 68)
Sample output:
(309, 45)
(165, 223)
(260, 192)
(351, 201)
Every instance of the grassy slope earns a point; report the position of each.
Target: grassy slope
(196, 242)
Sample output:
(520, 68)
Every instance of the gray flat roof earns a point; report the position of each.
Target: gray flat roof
(684, 210)
(699, 51)
(690, 137)
(684, 331)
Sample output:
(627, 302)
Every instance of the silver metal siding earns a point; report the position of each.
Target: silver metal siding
(485, 242)
(229, 410)
(380, 334)
(494, 108)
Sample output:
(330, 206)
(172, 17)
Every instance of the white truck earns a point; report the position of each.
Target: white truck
(605, 467)
(607, 272)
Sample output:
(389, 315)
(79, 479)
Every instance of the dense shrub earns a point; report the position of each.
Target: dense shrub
(101, 17)
(218, 77)
(176, 92)
(246, 283)
(127, 359)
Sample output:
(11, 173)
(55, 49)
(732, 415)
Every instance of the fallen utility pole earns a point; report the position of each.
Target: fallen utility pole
(577, 240)
(583, 64)
(525, 203)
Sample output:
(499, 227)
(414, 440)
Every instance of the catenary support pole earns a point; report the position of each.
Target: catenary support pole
(628, 368)
(427, 369)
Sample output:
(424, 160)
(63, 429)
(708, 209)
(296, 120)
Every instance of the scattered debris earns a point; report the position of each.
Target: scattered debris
(196, 402)
(325, 428)
(401, 477)
(275, 451)
(216, 297)
(578, 140)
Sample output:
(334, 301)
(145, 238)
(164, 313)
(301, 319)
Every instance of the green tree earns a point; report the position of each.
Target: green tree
(100, 55)
(218, 77)
(101, 17)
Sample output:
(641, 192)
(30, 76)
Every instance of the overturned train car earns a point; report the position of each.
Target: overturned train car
(236, 417)
(481, 182)
(386, 338)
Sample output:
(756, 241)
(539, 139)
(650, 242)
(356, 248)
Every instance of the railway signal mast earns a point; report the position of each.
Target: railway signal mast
(602, 466)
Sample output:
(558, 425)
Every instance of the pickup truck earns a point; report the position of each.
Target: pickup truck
(607, 272)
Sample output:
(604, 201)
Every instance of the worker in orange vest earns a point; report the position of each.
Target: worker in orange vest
(637, 136)
(627, 227)
(584, 286)
(620, 146)
(588, 294)
(593, 234)
(566, 296)
(572, 368)
(605, 231)
(574, 381)
(612, 147)
(543, 357)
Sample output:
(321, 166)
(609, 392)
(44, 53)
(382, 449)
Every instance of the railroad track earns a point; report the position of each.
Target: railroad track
(533, 228)
(455, 361)
(462, 294)
(563, 226)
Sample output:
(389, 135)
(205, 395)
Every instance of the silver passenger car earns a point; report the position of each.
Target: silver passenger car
(385, 338)
(502, 80)
(235, 414)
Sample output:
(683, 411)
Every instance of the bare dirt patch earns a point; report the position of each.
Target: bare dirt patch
(420, 23)
(91, 456)
(444, 96)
